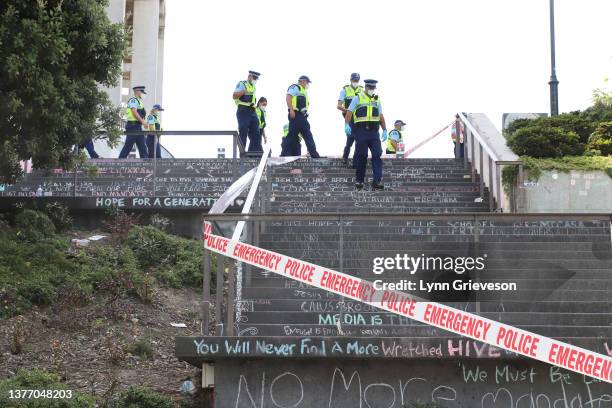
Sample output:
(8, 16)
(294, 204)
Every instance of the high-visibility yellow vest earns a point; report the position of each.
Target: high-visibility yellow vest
(286, 132)
(261, 116)
(140, 109)
(367, 109)
(156, 125)
(350, 93)
(249, 98)
(300, 101)
(390, 145)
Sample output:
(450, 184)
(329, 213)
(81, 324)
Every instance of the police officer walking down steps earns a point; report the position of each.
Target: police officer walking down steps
(347, 93)
(136, 115)
(154, 124)
(297, 104)
(248, 124)
(366, 112)
(395, 137)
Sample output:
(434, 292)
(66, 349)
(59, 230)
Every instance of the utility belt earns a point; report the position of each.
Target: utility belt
(303, 112)
(367, 125)
(245, 108)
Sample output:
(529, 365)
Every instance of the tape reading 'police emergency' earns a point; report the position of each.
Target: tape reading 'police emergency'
(453, 320)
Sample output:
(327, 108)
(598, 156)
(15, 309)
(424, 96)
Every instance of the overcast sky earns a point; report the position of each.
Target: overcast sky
(431, 58)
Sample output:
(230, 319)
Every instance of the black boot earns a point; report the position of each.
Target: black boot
(377, 186)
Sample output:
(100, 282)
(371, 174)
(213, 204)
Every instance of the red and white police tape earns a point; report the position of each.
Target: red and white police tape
(435, 314)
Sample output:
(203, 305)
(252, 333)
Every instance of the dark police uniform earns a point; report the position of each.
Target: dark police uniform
(248, 123)
(133, 125)
(346, 97)
(366, 118)
(154, 124)
(299, 124)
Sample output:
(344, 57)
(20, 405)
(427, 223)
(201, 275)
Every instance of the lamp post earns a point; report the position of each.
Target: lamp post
(554, 83)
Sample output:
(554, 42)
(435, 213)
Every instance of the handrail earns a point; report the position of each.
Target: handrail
(484, 143)
(406, 217)
(483, 134)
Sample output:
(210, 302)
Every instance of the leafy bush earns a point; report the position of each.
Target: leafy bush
(33, 225)
(141, 397)
(40, 380)
(574, 122)
(545, 141)
(601, 139)
(176, 261)
(119, 223)
(59, 214)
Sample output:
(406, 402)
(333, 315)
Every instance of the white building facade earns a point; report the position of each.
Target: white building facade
(144, 62)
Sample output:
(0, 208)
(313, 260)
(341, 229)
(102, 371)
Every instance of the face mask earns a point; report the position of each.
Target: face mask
(253, 81)
(370, 92)
(354, 84)
(143, 96)
(306, 86)
(402, 128)
(263, 108)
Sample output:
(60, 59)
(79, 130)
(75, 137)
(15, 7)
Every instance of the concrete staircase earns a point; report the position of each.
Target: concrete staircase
(561, 267)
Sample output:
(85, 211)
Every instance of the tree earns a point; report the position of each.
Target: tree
(54, 55)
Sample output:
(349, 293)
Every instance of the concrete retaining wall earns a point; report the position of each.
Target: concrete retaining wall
(574, 192)
(397, 384)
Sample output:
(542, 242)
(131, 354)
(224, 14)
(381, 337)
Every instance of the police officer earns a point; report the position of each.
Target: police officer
(395, 137)
(248, 124)
(347, 93)
(297, 104)
(296, 148)
(154, 124)
(262, 105)
(136, 115)
(366, 111)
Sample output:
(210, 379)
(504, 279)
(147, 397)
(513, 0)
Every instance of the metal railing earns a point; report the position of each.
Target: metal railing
(485, 152)
(228, 304)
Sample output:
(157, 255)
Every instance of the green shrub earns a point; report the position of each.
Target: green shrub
(59, 214)
(141, 397)
(33, 225)
(601, 139)
(40, 380)
(545, 141)
(141, 348)
(176, 261)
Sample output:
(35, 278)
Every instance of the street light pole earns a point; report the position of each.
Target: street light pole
(554, 83)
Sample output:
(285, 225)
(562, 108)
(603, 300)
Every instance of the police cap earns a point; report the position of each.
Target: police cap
(371, 83)
(304, 78)
(254, 73)
(139, 88)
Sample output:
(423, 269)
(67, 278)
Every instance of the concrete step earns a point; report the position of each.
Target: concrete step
(377, 250)
(410, 331)
(522, 284)
(546, 294)
(352, 306)
(391, 319)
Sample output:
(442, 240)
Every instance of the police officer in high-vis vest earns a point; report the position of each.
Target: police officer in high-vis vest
(136, 115)
(297, 105)
(366, 112)
(395, 137)
(154, 124)
(248, 124)
(262, 105)
(295, 149)
(347, 94)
